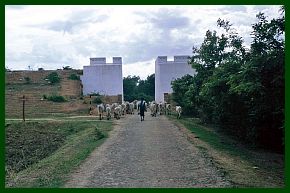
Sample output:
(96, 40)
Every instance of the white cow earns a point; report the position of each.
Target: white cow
(168, 109)
(100, 109)
(113, 106)
(108, 111)
(131, 108)
(123, 108)
(138, 106)
(153, 108)
(179, 111)
(135, 104)
(161, 108)
(118, 112)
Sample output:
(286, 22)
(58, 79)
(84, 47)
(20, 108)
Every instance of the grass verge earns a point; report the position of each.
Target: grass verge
(43, 153)
(243, 166)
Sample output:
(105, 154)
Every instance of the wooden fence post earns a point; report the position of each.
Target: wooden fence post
(23, 107)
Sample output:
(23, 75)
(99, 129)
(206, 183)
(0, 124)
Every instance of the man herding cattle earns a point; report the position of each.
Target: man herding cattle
(142, 108)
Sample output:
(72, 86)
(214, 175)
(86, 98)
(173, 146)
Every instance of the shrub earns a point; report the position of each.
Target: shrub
(27, 80)
(99, 135)
(97, 100)
(74, 77)
(56, 98)
(53, 78)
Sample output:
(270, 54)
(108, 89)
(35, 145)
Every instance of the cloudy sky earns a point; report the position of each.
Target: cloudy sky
(55, 36)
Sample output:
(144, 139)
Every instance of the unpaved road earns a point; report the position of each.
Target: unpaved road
(152, 153)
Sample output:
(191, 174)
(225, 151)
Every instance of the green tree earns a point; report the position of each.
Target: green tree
(135, 88)
(261, 82)
(146, 88)
(214, 61)
(240, 91)
(130, 87)
(180, 87)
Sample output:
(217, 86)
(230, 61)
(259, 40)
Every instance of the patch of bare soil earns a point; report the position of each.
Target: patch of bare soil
(263, 170)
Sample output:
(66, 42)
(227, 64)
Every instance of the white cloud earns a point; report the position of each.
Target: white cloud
(55, 36)
(141, 69)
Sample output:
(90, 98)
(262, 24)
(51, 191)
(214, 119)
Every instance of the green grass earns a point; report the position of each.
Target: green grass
(225, 143)
(237, 159)
(217, 140)
(52, 149)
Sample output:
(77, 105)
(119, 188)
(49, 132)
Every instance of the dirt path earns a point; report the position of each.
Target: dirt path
(153, 153)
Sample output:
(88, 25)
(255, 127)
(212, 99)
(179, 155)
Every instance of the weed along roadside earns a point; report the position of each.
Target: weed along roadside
(42, 153)
(243, 166)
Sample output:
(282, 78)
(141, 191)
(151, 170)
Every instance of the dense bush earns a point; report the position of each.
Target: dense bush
(56, 98)
(242, 91)
(97, 100)
(27, 80)
(74, 77)
(53, 78)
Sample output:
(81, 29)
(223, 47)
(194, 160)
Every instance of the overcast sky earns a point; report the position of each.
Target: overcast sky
(55, 36)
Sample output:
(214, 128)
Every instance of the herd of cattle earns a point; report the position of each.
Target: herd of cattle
(116, 110)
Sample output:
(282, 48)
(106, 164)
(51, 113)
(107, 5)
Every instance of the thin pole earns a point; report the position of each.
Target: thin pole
(23, 108)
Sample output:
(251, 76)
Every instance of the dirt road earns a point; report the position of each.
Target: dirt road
(152, 153)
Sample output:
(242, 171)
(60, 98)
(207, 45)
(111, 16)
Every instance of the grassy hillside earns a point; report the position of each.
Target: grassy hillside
(56, 136)
(17, 85)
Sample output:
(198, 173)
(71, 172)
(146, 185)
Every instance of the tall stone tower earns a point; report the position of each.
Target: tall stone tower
(167, 71)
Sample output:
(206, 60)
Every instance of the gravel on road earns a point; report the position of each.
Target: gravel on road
(151, 153)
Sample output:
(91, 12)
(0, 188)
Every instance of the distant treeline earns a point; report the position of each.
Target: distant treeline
(135, 88)
(242, 90)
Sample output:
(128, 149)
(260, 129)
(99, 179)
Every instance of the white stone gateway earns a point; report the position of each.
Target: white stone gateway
(166, 71)
(103, 78)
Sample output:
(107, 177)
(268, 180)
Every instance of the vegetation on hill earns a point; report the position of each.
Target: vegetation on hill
(240, 90)
(53, 78)
(55, 98)
(74, 77)
(27, 80)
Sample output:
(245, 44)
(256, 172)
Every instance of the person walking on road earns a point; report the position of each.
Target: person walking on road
(142, 109)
